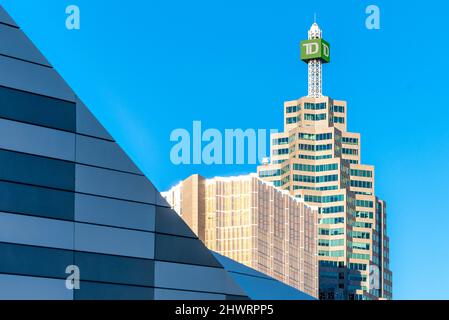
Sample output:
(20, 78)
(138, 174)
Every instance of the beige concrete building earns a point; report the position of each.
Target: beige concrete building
(318, 160)
(254, 223)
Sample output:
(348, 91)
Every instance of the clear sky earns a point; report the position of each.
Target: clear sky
(147, 67)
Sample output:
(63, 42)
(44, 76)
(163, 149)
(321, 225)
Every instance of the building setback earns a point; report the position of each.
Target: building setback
(254, 223)
(316, 159)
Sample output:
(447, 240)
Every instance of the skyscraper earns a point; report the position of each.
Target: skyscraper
(253, 222)
(316, 159)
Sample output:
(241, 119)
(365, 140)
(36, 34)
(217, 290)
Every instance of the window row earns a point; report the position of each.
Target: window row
(339, 120)
(315, 117)
(331, 232)
(308, 157)
(353, 152)
(362, 173)
(335, 209)
(311, 147)
(353, 141)
(331, 243)
(317, 168)
(280, 141)
(361, 184)
(313, 179)
(340, 109)
(335, 254)
(315, 106)
(315, 137)
(324, 199)
(293, 109)
(332, 220)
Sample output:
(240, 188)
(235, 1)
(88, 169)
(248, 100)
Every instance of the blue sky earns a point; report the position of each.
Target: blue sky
(147, 67)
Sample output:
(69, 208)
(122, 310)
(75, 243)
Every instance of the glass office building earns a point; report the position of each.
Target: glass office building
(71, 198)
(318, 160)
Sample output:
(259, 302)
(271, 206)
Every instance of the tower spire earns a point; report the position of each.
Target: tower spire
(315, 51)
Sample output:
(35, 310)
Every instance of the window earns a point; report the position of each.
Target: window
(364, 203)
(353, 152)
(331, 243)
(353, 141)
(318, 168)
(361, 184)
(332, 220)
(358, 266)
(339, 120)
(360, 235)
(280, 141)
(313, 179)
(359, 256)
(364, 215)
(360, 246)
(280, 151)
(335, 209)
(315, 137)
(363, 225)
(312, 147)
(269, 173)
(291, 120)
(331, 232)
(314, 106)
(327, 188)
(307, 157)
(315, 117)
(337, 253)
(293, 109)
(324, 199)
(362, 173)
(340, 109)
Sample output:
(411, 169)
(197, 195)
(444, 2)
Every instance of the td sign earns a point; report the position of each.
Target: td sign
(315, 49)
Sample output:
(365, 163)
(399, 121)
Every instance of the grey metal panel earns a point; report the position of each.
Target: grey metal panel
(41, 141)
(166, 294)
(198, 278)
(114, 269)
(36, 231)
(264, 289)
(168, 221)
(86, 123)
(33, 78)
(114, 241)
(114, 184)
(37, 109)
(16, 44)
(233, 266)
(118, 213)
(185, 250)
(5, 18)
(32, 288)
(34, 261)
(36, 170)
(102, 291)
(102, 153)
(36, 201)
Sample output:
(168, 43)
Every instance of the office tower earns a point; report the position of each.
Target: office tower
(71, 199)
(254, 223)
(316, 159)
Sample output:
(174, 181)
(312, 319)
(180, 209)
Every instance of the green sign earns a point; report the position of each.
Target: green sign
(315, 49)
